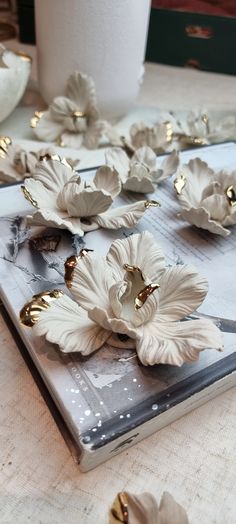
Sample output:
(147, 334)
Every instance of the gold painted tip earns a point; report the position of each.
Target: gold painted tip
(123, 500)
(24, 56)
(152, 203)
(70, 265)
(28, 197)
(143, 295)
(30, 313)
(231, 196)
(34, 121)
(78, 114)
(179, 184)
(5, 142)
(133, 269)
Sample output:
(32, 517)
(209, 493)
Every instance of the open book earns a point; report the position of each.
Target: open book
(108, 400)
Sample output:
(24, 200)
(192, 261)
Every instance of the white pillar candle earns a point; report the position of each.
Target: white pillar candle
(105, 39)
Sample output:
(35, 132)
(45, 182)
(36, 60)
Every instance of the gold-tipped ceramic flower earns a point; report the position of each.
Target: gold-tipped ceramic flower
(207, 198)
(140, 173)
(63, 200)
(199, 128)
(143, 509)
(73, 119)
(16, 163)
(132, 293)
(158, 137)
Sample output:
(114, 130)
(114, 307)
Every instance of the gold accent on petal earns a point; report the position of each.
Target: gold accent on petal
(169, 131)
(78, 114)
(144, 294)
(179, 184)
(34, 121)
(30, 313)
(28, 197)
(123, 500)
(24, 56)
(5, 142)
(133, 269)
(231, 196)
(205, 120)
(71, 263)
(152, 203)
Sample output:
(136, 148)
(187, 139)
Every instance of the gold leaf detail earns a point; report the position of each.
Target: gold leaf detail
(28, 197)
(30, 313)
(231, 196)
(24, 56)
(34, 121)
(169, 131)
(133, 269)
(144, 294)
(152, 203)
(71, 263)
(5, 142)
(179, 184)
(78, 114)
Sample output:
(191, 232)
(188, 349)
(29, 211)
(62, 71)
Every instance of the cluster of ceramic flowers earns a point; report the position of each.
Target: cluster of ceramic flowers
(207, 198)
(64, 200)
(128, 299)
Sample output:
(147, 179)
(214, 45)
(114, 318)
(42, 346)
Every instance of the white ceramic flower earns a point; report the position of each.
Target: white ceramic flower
(202, 128)
(158, 137)
(140, 173)
(16, 163)
(72, 119)
(63, 200)
(132, 293)
(143, 509)
(207, 198)
(14, 74)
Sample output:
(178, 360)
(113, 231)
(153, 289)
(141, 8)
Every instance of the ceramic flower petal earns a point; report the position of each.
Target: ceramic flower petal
(143, 509)
(8, 172)
(53, 173)
(139, 180)
(81, 89)
(38, 195)
(78, 200)
(89, 278)
(50, 218)
(168, 166)
(157, 137)
(181, 292)
(117, 159)
(139, 251)
(115, 325)
(107, 179)
(176, 342)
(201, 218)
(145, 156)
(93, 134)
(45, 128)
(66, 324)
(197, 175)
(124, 216)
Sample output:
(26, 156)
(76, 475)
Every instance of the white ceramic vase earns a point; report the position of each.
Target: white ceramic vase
(105, 39)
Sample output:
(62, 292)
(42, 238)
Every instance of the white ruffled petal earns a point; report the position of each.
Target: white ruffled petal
(107, 179)
(116, 325)
(62, 108)
(217, 207)
(47, 129)
(145, 156)
(201, 218)
(169, 166)
(81, 89)
(182, 290)
(43, 197)
(90, 281)
(53, 174)
(137, 185)
(66, 324)
(50, 218)
(138, 250)
(117, 159)
(93, 134)
(198, 176)
(124, 216)
(72, 140)
(176, 342)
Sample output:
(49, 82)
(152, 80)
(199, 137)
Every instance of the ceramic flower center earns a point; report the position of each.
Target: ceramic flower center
(83, 199)
(132, 294)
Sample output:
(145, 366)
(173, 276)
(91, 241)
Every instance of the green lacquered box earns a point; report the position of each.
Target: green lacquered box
(179, 38)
